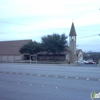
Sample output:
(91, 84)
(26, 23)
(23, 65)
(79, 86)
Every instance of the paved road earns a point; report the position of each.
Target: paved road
(48, 82)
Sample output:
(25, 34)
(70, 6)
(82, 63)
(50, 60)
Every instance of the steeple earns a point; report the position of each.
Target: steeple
(72, 42)
(72, 30)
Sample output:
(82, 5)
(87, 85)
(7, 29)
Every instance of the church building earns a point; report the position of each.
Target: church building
(9, 51)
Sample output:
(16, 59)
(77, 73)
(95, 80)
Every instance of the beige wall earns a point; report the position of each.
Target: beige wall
(0, 57)
(18, 57)
(11, 58)
(4, 58)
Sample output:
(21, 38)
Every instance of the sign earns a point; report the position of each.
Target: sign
(95, 95)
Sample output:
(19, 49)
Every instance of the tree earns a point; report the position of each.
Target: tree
(54, 43)
(31, 48)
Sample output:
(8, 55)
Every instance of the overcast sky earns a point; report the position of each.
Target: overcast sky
(32, 19)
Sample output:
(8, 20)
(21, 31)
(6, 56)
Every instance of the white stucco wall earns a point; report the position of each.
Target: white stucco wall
(80, 56)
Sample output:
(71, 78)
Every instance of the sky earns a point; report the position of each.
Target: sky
(33, 19)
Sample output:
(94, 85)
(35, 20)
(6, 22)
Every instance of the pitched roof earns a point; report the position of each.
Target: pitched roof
(72, 30)
(78, 51)
(11, 47)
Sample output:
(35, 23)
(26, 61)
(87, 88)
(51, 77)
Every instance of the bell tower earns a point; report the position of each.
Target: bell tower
(72, 43)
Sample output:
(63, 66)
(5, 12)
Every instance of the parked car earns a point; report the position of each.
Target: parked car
(81, 61)
(89, 62)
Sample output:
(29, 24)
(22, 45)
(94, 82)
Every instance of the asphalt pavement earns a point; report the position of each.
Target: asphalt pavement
(48, 81)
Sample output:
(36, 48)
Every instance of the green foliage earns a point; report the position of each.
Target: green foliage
(51, 44)
(54, 43)
(30, 48)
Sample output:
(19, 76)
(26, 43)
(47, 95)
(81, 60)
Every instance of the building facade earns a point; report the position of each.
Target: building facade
(9, 51)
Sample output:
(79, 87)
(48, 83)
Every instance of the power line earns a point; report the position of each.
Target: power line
(41, 26)
(15, 23)
(89, 36)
